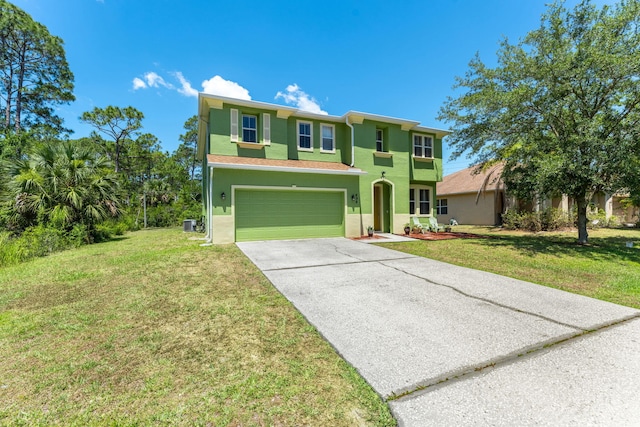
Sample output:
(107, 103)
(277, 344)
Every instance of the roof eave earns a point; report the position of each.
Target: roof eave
(349, 172)
(439, 133)
(404, 124)
(216, 101)
(462, 193)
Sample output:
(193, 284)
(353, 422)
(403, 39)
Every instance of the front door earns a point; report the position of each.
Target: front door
(378, 210)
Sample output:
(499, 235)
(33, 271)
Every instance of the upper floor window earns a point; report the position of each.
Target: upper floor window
(422, 146)
(380, 140)
(441, 207)
(249, 128)
(305, 136)
(328, 138)
(419, 201)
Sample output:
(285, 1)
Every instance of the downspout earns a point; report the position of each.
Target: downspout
(210, 207)
(353, 161)
(205, 200)
(353, 145)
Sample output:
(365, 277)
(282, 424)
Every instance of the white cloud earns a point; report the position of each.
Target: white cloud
(185, 88)
(293, 95)
(154, 80)
(216, 85)
(138, 83)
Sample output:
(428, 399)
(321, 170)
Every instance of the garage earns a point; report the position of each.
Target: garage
(269, 214)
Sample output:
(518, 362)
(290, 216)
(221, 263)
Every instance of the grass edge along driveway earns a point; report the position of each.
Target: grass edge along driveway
(605, 269)
(152, 329)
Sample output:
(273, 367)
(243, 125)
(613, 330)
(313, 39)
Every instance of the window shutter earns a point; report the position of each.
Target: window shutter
(266, 128)
(234, 125)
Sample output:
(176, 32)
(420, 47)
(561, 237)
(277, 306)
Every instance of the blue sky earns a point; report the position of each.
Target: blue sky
(395, 58)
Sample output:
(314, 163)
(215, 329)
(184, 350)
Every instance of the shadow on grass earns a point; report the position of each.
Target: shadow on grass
(598, 248)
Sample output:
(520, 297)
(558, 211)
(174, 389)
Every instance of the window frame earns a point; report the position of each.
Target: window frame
(322, 138)
(416, 202)
(299, 135)
(442, 207)
(380, 141)
(422, 144)
(254, 129)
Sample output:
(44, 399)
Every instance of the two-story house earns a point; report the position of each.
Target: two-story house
(276, 172)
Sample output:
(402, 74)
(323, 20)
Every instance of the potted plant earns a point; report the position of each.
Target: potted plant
(407, 229)
(370, 231)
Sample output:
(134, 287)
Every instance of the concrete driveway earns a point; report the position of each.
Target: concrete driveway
(447, 345)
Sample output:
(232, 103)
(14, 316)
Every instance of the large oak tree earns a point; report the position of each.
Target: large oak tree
(561, 108)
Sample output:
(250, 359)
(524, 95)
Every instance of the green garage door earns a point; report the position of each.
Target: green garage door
(271, 214)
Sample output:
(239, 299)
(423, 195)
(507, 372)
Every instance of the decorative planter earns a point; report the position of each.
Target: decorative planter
(407, 230)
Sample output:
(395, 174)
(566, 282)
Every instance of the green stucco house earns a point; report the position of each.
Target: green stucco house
(276, 172)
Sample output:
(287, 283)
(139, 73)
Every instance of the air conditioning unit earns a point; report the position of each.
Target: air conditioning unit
(189, 225)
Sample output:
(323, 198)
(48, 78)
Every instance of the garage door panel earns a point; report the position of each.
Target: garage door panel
(268, 214)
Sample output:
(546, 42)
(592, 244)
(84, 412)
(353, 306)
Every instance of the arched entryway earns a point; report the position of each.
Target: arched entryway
(382, 206)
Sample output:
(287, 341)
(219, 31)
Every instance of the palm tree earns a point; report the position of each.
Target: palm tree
(62, 184)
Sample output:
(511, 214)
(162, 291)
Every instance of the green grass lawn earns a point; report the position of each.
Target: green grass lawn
(152, 329)
(605, 269)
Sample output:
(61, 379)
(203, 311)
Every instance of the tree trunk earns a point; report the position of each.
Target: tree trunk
(582, 221)
(117, 162)
(22, 65)
(8, 84)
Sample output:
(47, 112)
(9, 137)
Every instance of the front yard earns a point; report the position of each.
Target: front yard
(152, 329)
(605, 269)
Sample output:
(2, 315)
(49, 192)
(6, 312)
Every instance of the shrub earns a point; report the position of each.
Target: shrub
(33, 242)
(614, 221)
(597, 219)
(78, 236)
(39, 241)
(511, 220)
(101, 233)
(7, 253)
(532, 221)
(546, 220)
(555, 219)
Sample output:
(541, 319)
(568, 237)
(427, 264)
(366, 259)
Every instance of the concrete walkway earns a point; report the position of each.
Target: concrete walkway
(446, 345)
(386, 238)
